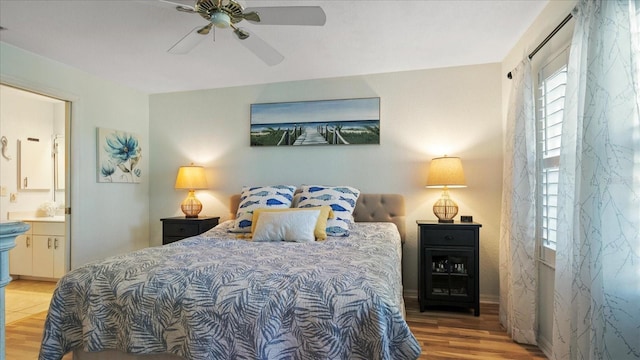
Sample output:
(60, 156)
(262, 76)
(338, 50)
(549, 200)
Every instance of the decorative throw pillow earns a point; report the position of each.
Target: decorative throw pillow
(296, 226)
(341, 199)
(321, 224)
(251, 198)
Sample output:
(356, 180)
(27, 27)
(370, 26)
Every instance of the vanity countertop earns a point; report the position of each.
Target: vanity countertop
(33, 217)
(57, 218)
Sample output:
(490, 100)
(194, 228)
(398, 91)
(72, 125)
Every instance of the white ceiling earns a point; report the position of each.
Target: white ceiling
(126, 41)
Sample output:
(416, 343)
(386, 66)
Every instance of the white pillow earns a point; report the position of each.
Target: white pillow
(288, 226)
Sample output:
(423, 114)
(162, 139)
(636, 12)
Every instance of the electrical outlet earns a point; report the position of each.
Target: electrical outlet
(3, 191)
(13, 197)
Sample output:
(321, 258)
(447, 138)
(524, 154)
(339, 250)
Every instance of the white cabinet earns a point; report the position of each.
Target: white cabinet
(20, 259)
(40, 252)
(59, 258)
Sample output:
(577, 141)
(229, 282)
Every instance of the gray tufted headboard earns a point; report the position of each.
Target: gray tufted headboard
(369, 208)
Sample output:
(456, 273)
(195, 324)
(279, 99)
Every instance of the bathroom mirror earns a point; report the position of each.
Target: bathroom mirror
(35, 158)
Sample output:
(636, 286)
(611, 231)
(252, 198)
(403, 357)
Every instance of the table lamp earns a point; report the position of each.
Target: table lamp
(444, 173)
(191, 178)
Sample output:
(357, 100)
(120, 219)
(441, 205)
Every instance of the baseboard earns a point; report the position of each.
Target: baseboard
(545, 345)
(488, 299)
(410, 294)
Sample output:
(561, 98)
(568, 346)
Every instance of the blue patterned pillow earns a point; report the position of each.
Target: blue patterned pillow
(342, 200)
(251, 198)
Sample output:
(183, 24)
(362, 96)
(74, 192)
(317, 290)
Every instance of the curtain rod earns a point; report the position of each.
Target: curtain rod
(546, 40)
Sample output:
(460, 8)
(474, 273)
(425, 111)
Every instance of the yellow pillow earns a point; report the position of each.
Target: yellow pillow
(320, 231)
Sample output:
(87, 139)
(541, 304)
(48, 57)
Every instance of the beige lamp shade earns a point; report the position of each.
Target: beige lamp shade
(191, 178)
(445, 172)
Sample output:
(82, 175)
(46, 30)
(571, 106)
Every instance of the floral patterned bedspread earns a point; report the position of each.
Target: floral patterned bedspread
(216, 297)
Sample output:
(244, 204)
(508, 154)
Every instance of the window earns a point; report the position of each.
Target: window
(552, 81)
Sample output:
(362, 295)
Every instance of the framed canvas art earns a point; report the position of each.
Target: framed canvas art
(322, 122)
(119, 156)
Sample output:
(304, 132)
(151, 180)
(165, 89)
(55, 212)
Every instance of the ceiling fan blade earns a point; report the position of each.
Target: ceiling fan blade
(205, 29)
(180, 5)
(188, 42)
(261, 49)
(287, 15)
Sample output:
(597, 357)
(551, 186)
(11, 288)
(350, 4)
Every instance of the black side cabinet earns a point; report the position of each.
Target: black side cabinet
(178, 228)
(449, 265)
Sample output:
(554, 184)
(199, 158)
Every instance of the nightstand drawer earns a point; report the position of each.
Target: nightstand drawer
(454, 237)
(178, 228)
(183, 230)
(169, 239)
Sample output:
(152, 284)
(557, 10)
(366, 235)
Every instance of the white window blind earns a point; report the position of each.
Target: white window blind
(552, 81)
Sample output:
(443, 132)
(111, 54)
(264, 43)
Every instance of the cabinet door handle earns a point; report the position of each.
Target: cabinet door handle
(448, 237)
(28, 241)
(26, 182)
(48, 243)
(55, 243)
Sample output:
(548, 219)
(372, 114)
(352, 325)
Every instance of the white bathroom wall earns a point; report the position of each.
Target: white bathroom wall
(25, 115)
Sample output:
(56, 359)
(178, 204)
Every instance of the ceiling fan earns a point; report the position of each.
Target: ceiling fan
(227, 13)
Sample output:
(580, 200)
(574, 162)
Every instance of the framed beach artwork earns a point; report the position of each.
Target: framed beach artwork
(322, 122)
(119, 156)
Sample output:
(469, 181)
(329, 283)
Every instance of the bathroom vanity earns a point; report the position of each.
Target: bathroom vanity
(40, 252)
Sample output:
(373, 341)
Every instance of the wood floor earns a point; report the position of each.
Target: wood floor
(442, 335)
(458, 334)
(27, 302)
(27, 297)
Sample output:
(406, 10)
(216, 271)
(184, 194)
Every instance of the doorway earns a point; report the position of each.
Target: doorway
(35, 181)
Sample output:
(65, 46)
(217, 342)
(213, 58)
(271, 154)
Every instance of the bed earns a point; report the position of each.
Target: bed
(218, 296)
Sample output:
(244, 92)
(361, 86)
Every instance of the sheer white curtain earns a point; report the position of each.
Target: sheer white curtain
(518, 271)
(597, 287)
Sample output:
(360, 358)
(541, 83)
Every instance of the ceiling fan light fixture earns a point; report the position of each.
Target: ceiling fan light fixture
(220, 19)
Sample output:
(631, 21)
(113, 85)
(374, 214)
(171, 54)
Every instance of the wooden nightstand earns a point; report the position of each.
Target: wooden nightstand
(449, 265)
(178, 228)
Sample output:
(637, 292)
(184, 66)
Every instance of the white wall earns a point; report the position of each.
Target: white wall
(424, 114)
(106, 219)
(550, 17)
